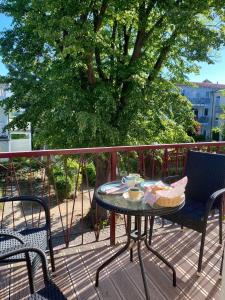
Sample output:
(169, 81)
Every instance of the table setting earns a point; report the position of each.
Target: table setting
(155, 193)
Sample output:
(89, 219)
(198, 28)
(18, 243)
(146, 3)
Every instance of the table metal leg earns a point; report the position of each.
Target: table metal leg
(140, 258)
(163, 259)
(107, 262)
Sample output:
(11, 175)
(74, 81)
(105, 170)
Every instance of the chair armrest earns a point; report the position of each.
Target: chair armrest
(217, 194)
(19, 249)
(211, 200)
(38, 200)
(170, 179)
(10, 233)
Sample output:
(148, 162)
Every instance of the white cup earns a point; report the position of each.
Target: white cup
(129, 180)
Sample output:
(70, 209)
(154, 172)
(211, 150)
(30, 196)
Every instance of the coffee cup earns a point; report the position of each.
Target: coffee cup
(134, 193)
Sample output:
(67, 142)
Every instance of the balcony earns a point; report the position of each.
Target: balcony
(4, 137)
(82, 243)
(200, 101)
(203, 119)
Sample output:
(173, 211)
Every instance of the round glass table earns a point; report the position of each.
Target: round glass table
(122, 203)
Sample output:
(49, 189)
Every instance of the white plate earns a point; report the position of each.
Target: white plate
(148, 183)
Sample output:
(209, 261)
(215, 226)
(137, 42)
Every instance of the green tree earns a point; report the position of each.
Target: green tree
(92, 73)
(222, 124)
(216, 133)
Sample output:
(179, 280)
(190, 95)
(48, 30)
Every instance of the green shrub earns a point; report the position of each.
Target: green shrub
(65, 184)
(91, 174)
(199, 138)
(216, 133)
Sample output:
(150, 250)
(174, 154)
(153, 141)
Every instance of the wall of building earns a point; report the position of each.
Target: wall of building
(219, 102)
(204, 99)
(11, 140)
(3, 122)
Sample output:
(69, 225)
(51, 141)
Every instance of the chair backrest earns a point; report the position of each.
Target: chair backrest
(206, 174)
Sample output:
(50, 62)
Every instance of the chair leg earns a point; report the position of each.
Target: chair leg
(29, 271)
(51, 254)
(151, 229)
(221, 223)
(201, 252)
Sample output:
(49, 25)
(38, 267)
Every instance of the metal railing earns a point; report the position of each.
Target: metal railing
(67, 178)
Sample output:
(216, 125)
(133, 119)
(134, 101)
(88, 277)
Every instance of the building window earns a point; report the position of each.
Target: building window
(196, 112)
(206, 112)
(207, 94)
(204, 132)
(217, 100)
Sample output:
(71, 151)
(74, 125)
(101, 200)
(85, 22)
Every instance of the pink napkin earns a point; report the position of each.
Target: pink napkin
(176, 189)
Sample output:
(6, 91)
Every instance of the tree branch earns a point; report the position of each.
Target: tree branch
(163, 55)
(141, 36)
(99, 17)
(99, 64)
(113, 38)
(126, 39)
(90, 69)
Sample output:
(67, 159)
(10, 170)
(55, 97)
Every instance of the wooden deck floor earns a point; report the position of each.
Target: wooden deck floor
(76, 267)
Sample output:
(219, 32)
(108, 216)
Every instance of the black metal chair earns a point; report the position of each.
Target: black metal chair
(29, 244)
(204, 191)
(24, 252)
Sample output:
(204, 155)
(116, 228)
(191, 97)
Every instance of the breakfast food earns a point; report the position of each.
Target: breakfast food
(164, 195)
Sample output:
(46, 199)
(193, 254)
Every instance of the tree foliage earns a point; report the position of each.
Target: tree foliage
(91, 73)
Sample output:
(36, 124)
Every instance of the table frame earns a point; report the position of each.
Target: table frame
(137, 236)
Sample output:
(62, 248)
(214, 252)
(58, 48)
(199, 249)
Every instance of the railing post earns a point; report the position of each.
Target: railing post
(165, 163)
(112, 215)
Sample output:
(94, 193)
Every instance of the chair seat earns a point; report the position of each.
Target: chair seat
(191, 215)
(49, 292)
(36, 237)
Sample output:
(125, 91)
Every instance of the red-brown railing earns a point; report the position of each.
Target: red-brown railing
(67, 179)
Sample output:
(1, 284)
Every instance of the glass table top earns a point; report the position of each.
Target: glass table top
(122, 203)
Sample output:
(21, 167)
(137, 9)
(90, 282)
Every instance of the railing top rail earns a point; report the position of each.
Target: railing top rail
(38, 153)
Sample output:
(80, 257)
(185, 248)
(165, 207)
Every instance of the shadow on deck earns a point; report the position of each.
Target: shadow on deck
(76, 267)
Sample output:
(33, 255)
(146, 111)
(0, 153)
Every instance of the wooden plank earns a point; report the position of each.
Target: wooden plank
(61, 276)
(183, 253)
(79, 275)
(106, 287)
(155, 282)
(4, 282)
(19, 287)
(120, 277)
(76, 269)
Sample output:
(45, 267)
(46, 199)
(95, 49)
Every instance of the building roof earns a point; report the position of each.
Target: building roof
(207, 83)
(210, 84)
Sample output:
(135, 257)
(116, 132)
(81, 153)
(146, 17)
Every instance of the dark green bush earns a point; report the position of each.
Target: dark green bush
(91, 174)
(65, 184)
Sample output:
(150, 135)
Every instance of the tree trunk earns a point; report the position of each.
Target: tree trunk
(102, 166)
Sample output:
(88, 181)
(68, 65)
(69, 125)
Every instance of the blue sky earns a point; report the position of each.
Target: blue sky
(214, 72)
